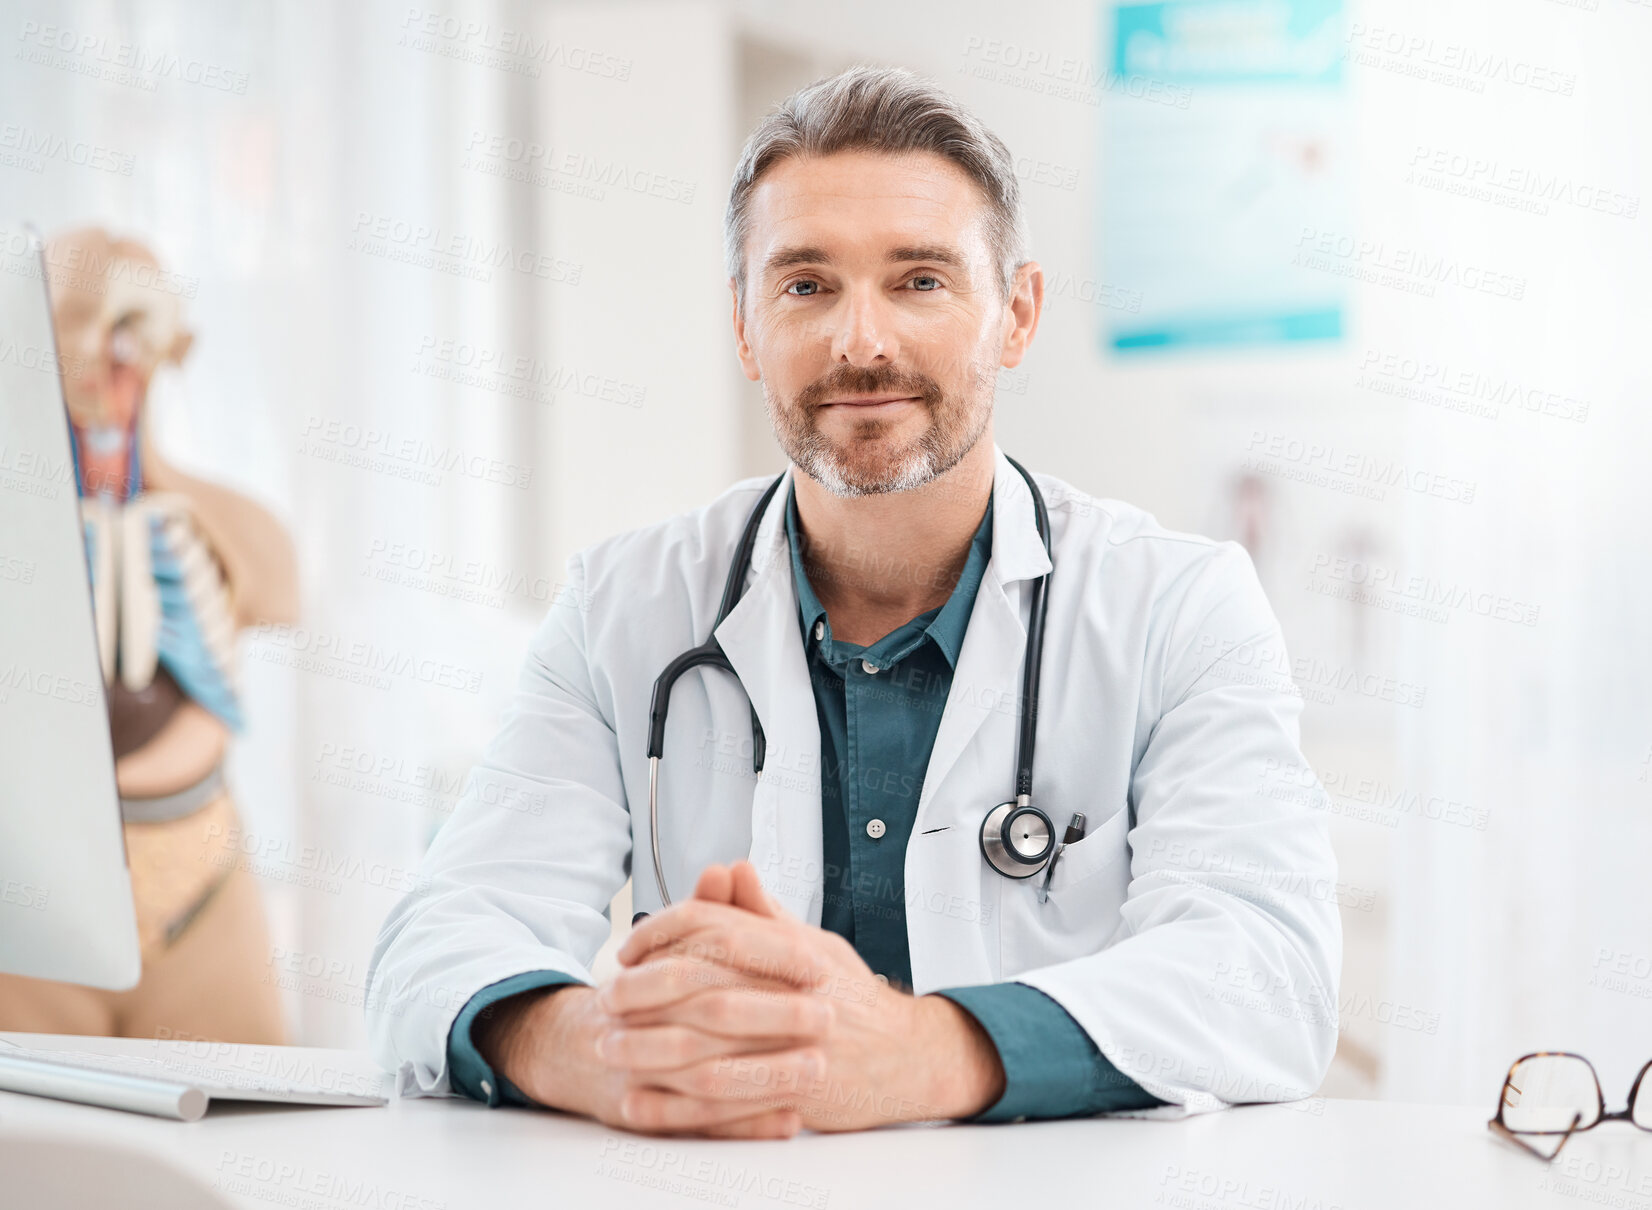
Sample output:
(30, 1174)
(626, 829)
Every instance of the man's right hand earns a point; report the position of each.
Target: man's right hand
(555, 1045)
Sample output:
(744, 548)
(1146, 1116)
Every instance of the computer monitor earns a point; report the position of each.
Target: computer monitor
(65, 893)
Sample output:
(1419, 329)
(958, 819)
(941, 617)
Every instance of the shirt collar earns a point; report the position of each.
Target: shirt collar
(946, 628)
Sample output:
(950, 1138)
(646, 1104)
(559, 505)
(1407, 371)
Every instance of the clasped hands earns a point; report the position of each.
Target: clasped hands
(730, 1018)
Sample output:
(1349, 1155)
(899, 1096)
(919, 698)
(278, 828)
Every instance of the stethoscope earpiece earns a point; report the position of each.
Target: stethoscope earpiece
(1017, 839)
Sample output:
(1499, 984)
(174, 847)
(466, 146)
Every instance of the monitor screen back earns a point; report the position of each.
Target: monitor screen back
(65, 894)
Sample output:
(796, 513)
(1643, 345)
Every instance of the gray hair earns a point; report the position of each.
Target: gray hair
(886, 109)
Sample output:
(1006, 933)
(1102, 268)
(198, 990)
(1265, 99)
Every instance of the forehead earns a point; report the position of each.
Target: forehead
(865, 201)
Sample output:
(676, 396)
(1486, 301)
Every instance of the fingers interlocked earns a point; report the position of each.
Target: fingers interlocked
(713, 1025)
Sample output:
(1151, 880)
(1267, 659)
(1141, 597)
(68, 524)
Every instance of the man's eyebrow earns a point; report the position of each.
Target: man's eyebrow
(935, 253)
(785, 258)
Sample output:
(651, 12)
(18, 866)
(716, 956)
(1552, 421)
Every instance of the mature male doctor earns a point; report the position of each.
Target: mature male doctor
(849, 942)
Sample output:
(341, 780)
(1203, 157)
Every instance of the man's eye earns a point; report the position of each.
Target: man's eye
(935, 283)
(804, 282)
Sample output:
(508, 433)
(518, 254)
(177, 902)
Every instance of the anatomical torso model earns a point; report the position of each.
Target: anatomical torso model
(178, 566)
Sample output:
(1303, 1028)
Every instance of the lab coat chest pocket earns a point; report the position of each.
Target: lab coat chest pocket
(1082, 912)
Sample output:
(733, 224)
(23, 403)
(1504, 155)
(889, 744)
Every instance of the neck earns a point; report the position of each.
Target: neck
(876, 562)
(106, 470)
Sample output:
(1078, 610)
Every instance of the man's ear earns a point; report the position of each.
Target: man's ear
(742, 347)
(1025, 306)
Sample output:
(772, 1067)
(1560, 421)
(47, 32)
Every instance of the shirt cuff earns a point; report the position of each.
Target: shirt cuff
(468, 1072)
(1052, 1069)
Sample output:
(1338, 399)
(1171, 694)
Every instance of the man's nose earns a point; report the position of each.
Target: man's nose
(866, 329)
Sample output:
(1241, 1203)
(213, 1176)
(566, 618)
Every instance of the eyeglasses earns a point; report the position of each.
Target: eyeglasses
(1558, 1093)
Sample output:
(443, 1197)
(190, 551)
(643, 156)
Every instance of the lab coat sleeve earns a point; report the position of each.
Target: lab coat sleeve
(520, 877)
(1220, 984)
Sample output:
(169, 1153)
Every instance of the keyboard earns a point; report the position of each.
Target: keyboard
(182, 1080)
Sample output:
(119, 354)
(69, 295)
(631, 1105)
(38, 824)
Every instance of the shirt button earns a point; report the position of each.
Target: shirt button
(487, 1089)
(875, 829)
(868, 666)
(883, 979)
(820, 629)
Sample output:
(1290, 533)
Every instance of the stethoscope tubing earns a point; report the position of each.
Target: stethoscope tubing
(711, 654)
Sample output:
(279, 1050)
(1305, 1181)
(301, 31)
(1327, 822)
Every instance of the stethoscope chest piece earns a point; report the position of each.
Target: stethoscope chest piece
(1017, 838)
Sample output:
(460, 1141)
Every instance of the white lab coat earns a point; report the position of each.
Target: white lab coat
(1200, 949)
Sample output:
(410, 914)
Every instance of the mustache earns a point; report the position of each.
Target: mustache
(867, 380)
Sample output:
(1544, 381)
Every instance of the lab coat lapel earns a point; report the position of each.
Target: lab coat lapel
(762, 640)
(987, 680)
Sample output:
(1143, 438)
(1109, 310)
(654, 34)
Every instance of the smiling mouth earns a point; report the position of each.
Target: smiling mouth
(875, 402)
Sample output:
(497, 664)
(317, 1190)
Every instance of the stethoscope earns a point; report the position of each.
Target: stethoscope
(1017, 838)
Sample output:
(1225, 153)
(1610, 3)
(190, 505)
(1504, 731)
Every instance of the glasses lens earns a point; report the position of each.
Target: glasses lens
(1640, 1112)
(1544, 1092)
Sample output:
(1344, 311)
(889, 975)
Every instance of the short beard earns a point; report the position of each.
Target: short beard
(954, 429)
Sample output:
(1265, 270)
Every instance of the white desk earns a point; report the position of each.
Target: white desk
(445, 1154)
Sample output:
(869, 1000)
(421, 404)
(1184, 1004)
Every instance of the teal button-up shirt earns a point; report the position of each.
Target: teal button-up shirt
(880, 709)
